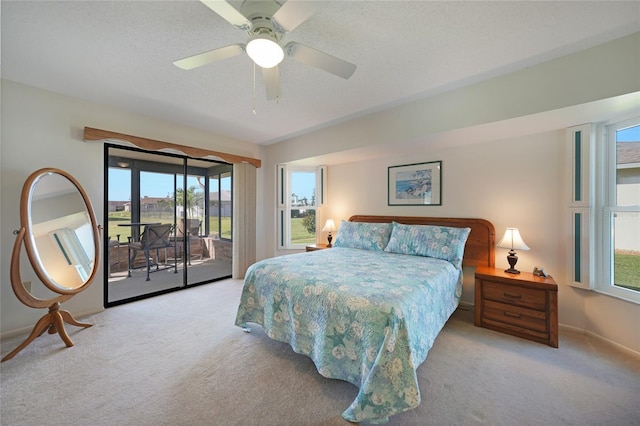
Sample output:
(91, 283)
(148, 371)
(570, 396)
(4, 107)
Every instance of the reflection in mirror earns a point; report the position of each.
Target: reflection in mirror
(61, 231)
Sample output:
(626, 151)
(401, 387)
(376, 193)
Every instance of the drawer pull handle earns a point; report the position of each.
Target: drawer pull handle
(511, 314)
(512, 296)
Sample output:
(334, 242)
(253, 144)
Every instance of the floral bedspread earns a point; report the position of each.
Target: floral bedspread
(365, 317)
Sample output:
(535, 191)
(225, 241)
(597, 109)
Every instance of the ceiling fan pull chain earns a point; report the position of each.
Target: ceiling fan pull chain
(254, 89)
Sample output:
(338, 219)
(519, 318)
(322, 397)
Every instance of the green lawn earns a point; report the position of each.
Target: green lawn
(299, 235)
(627, 270)
(125, 217)
(112, 226)
(226, 226)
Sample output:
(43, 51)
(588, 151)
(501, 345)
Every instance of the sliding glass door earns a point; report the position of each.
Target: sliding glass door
(168, 223)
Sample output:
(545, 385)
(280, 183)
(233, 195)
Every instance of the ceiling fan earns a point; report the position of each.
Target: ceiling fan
(266, 22)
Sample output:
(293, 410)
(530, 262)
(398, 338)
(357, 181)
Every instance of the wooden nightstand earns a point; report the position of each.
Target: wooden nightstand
(314, 247)
(523, 305)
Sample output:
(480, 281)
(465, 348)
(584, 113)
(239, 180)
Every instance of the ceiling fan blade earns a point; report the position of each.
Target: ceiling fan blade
(229, 13)
(205, 58)
(292, 14)
(271, 78)
(316, 58)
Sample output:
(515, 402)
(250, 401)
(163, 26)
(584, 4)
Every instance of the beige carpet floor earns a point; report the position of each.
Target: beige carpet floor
(178, 359)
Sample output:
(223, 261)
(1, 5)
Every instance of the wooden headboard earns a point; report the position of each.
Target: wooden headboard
(480, 248)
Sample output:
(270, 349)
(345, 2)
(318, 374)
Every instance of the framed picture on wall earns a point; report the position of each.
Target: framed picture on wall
(417, 184)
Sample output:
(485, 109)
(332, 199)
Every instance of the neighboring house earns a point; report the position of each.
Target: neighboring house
(225, 203)
(118, 206)
(628, 194)
(147, 204)
(628, 159)
(155, 204)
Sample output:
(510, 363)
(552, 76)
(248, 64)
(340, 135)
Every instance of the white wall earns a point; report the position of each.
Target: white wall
(511, 183)
(514, 182)
(502, 147)
(557, 94)
(44, 129)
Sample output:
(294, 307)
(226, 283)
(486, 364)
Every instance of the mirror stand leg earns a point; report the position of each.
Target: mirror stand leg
(69, 319)
(58, 318)
(41, 326)
(58, 326)
(53, 322)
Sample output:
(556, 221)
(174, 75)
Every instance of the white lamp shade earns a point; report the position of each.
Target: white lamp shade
(512, 240)
(265, 51)
(329, 226)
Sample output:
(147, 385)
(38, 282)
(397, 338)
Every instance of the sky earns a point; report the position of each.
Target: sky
(161, 185)
(303, 184)
(151, 184)
(632, 134)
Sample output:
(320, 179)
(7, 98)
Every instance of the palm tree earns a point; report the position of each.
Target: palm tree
(195, 198)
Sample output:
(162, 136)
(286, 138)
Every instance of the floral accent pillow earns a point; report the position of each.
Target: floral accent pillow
(440, 242)
(363, 235)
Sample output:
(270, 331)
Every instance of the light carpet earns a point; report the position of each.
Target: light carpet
(178, 359)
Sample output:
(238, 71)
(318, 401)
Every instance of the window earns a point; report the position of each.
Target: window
(618, 210)
(300, 192)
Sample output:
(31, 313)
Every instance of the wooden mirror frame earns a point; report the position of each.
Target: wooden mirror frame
(54, 320)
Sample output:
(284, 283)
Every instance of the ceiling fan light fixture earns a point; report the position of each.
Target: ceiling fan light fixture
(265, 51)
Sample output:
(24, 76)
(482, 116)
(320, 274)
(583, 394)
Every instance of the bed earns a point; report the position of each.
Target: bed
(368, 310)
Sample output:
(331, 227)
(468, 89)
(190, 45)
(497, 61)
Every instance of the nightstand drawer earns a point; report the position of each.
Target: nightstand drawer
(523, 305)
(515, 315)
(514, 295)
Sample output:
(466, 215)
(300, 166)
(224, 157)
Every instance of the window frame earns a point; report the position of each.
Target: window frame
(606, 206)
(284, 205)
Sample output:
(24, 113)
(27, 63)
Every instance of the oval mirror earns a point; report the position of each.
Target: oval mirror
(61, 234)
(62, 240)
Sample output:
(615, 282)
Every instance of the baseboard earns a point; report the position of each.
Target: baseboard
(465, 306)
(11, 333)
(26, 330)
(601, 338)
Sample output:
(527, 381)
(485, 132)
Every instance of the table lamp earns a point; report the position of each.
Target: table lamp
(512, 241)
(329, 227)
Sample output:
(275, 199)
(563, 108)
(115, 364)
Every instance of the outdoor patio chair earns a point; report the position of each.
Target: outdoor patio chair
(154, 238)
(114, 244)
(188, 233)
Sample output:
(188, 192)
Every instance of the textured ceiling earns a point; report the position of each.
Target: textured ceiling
(121, 53)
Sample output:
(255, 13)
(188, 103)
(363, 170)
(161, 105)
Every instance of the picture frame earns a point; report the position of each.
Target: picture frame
(418, 184)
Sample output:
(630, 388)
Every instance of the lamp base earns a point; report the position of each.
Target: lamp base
(512, 259)
(329, 239)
